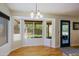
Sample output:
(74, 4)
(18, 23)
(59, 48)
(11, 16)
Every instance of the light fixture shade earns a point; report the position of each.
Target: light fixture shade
(32, 14)
(36, 14)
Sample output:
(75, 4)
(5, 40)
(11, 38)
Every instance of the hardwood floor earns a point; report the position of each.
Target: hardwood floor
(36, 51)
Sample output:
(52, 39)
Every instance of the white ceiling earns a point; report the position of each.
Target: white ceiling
(48, 8)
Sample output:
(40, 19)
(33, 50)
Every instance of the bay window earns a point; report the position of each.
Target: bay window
(33, 29)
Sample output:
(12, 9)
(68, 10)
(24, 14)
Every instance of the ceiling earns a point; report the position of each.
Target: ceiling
(48, 8)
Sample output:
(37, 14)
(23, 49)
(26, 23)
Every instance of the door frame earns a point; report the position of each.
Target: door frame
(61, 33)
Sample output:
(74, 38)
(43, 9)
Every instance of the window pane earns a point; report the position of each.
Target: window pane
(16, 30)
(3, 31)
(48, 30)
(65, 28)
(38, 30)
(16, 26)
(29, 29)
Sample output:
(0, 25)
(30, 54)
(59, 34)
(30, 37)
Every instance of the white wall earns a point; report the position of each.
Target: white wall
(33, 42)
(53, 33)
(5, 49)
(49, 42)
(74, 38)
(16, 38)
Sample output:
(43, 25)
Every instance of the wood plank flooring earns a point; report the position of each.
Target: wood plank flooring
(36, 51)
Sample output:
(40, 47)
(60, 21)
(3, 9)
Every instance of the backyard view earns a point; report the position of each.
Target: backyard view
(33, 29)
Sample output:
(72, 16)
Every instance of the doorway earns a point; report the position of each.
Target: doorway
(65, 33)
